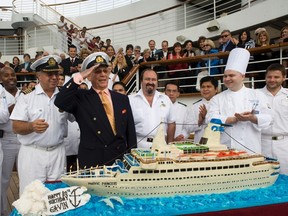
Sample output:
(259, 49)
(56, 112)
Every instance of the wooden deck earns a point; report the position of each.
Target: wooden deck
(13, 190)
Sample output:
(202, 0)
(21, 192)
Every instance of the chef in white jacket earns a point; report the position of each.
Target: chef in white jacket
(246, 109)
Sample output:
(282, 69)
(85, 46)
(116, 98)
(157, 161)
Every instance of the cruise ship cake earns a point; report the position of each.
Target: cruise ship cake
(179, 168)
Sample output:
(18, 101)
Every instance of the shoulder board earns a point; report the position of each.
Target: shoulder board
(197, 101)
(182, 104)
(28, 90)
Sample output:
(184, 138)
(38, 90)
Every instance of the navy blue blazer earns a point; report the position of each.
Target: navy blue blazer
(66, 64)
(98, 144)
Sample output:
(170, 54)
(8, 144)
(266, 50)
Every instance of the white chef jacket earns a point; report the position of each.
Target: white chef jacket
(242, 135)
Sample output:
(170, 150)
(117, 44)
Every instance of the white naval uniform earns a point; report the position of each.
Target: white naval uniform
(275, 138)
(191, 121)
(147, 117)
(248, 134)
(4, 117)
(10, 147)
(179, 110)
(72, 141)
(41, 155)
(110, 81)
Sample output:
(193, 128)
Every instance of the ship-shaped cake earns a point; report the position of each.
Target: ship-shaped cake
(179, 168)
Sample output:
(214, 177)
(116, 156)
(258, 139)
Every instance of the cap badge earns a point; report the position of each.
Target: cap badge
(99, 59)
(51, 62)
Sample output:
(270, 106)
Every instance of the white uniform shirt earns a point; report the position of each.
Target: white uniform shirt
(110, 81)
(227, 103)
(4, 112)
(72, 141)
(37, 105)
(147, 119)
(179, 110)
(7, 127)
(191, 121)
(279, 106)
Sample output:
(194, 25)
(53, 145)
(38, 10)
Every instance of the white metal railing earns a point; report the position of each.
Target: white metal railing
(186, 15)
(11, 45)
(67, 10)
(189, 14)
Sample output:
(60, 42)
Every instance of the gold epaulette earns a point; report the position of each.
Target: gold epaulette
(28, 90)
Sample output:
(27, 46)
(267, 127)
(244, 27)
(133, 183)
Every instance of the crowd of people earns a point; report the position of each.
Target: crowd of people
(123, 59)
(79, 109)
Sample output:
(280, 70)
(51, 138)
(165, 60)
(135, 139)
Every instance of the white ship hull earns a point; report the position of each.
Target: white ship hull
(183, 178)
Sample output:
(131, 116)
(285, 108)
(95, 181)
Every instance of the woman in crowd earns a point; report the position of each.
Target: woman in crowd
(245, 40)
(200, 44)
(84, 53)
(110, 51)
(146, 58)
(16, 64)
(182, 68)
(263, 39)
(120, 66)
(209, 64)
(83, 40)
(284, 34)
(75, 39)
(188, 52)
(177, 53)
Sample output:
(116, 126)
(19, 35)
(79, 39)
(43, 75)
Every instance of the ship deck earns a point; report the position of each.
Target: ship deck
(13, 191)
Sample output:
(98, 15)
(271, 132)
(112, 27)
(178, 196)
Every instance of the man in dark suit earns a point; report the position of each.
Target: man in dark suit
(162, 55)
(102, 138)
(226, 46)
(70, 64)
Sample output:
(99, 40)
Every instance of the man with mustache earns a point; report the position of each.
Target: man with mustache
(150, 108)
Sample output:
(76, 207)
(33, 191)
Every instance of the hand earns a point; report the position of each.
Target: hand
(87, 72)
(202, 114)
(39, 126)
(23, 70)
(246, 116)
(179, 138)
(73, 69)
(235, 41)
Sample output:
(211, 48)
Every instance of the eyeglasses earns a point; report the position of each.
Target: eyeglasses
(206, 45)
(222, 36)
(137, 50)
